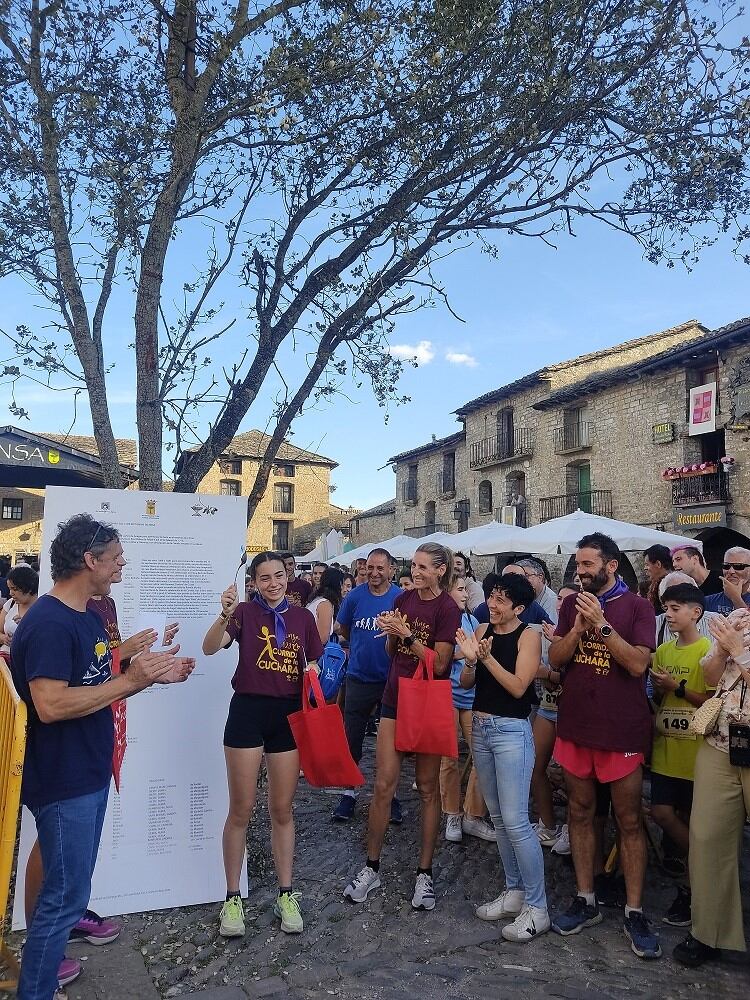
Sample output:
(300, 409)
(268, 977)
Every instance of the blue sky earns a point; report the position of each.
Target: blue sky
(531, 307)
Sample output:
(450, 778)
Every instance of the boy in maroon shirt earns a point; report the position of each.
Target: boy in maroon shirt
(603, 643)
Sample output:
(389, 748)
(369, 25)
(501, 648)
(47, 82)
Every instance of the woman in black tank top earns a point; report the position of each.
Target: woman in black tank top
(502, 659)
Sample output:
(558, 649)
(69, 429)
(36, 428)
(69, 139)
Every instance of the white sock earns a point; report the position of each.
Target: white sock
(590, 897)
(350, 792)
(633, 909)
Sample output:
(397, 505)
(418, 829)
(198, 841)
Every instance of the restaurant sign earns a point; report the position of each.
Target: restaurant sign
(696, 518)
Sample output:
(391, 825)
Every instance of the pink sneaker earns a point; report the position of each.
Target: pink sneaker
(69, 970)
(95, 929)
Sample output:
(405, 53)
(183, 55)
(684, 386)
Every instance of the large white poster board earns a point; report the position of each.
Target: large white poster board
(161, 843)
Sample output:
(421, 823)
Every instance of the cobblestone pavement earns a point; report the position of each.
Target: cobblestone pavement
(384, 950)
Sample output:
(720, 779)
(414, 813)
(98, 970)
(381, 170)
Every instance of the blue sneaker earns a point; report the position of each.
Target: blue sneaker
(578, 915)
(344, 811)
(643, 941)
(396, 815)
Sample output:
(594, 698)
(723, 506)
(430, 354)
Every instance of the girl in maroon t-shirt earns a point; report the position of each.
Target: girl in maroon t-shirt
(277, 643)
(425, 617)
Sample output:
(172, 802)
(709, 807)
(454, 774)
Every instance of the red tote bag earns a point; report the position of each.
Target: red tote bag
(318, 731)
(424, 717)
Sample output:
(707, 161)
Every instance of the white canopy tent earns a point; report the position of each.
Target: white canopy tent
(488, 539)
(561, 534)
(400, 546)
(329, 546)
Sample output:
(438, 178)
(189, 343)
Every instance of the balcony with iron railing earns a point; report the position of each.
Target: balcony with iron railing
(420, 530)
(592, 502)
(502, 448)
(409, 492)
(446, 484)
(710, 487)
(574, 437)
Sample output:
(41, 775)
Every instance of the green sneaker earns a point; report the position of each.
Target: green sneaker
(287, 907)
(232, 918)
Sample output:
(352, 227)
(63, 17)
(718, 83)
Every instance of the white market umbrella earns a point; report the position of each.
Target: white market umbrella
(561, 535)
(394, 545)
(490, 539)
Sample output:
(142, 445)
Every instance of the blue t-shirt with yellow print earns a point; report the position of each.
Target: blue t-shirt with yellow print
(66, 759)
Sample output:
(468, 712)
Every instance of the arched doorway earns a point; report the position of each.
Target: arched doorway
(716, 541)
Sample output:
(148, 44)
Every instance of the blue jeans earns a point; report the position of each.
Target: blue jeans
(503, 752)
(69, 832)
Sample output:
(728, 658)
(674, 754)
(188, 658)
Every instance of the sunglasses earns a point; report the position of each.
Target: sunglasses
(93, 538)
(736, 566)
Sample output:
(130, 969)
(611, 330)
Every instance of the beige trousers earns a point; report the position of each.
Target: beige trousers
(450, 776)
(721, 801)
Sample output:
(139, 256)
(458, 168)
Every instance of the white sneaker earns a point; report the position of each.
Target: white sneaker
(476, 827)
(453, 831)
(507, 904)
(424, 893)
(547, 837)
(362, 885)
(562, 844)
(530, 923)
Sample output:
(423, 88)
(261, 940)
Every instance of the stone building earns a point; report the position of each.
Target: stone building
(597, 432)
(374, 525)
(296, 506)
(29, 463)
(294, 511)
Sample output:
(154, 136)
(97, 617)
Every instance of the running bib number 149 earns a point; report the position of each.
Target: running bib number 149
(674, 722)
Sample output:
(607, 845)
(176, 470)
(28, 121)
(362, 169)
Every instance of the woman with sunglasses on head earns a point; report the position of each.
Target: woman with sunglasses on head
(422, 618)
(502, 659)
(277, 642)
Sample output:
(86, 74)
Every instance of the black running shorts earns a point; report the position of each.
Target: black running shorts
(260, 721)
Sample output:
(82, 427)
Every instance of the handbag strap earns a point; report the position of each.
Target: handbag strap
(426, 666)
(735, 682)
(310, 680)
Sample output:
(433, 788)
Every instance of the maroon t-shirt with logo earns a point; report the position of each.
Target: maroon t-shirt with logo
(262, 667)
(430, 621)
(298, 592)
(601, 705)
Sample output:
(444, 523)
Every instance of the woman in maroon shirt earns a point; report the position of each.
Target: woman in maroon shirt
(277, 643)
(425, 617)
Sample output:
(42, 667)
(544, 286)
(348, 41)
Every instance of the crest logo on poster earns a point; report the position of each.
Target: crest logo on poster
(151, 508)
(104, 505)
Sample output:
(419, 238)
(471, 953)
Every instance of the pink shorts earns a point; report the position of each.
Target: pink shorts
(604, 765)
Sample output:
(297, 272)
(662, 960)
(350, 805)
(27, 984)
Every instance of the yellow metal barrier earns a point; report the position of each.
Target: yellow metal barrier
(12, 748)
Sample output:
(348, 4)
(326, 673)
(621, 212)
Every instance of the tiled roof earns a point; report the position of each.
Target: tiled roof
(389, 507)
(253, 444)
(127, 450)
(738, 331)
(435, 445)
(527, 381)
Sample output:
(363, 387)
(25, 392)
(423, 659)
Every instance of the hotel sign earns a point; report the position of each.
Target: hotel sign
(662, 433)
(697, 518)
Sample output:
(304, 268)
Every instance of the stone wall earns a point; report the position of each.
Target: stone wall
(24, 537)
(310, 502)
(625, 461)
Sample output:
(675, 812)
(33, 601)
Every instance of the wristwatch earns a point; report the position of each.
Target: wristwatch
(605, 631)
(409, 641)
(679, 691)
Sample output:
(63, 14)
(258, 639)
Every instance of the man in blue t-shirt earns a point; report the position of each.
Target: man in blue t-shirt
(62, 669)
(369, 663)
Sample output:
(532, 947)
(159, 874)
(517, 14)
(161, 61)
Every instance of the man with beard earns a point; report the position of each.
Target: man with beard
(603, 645)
